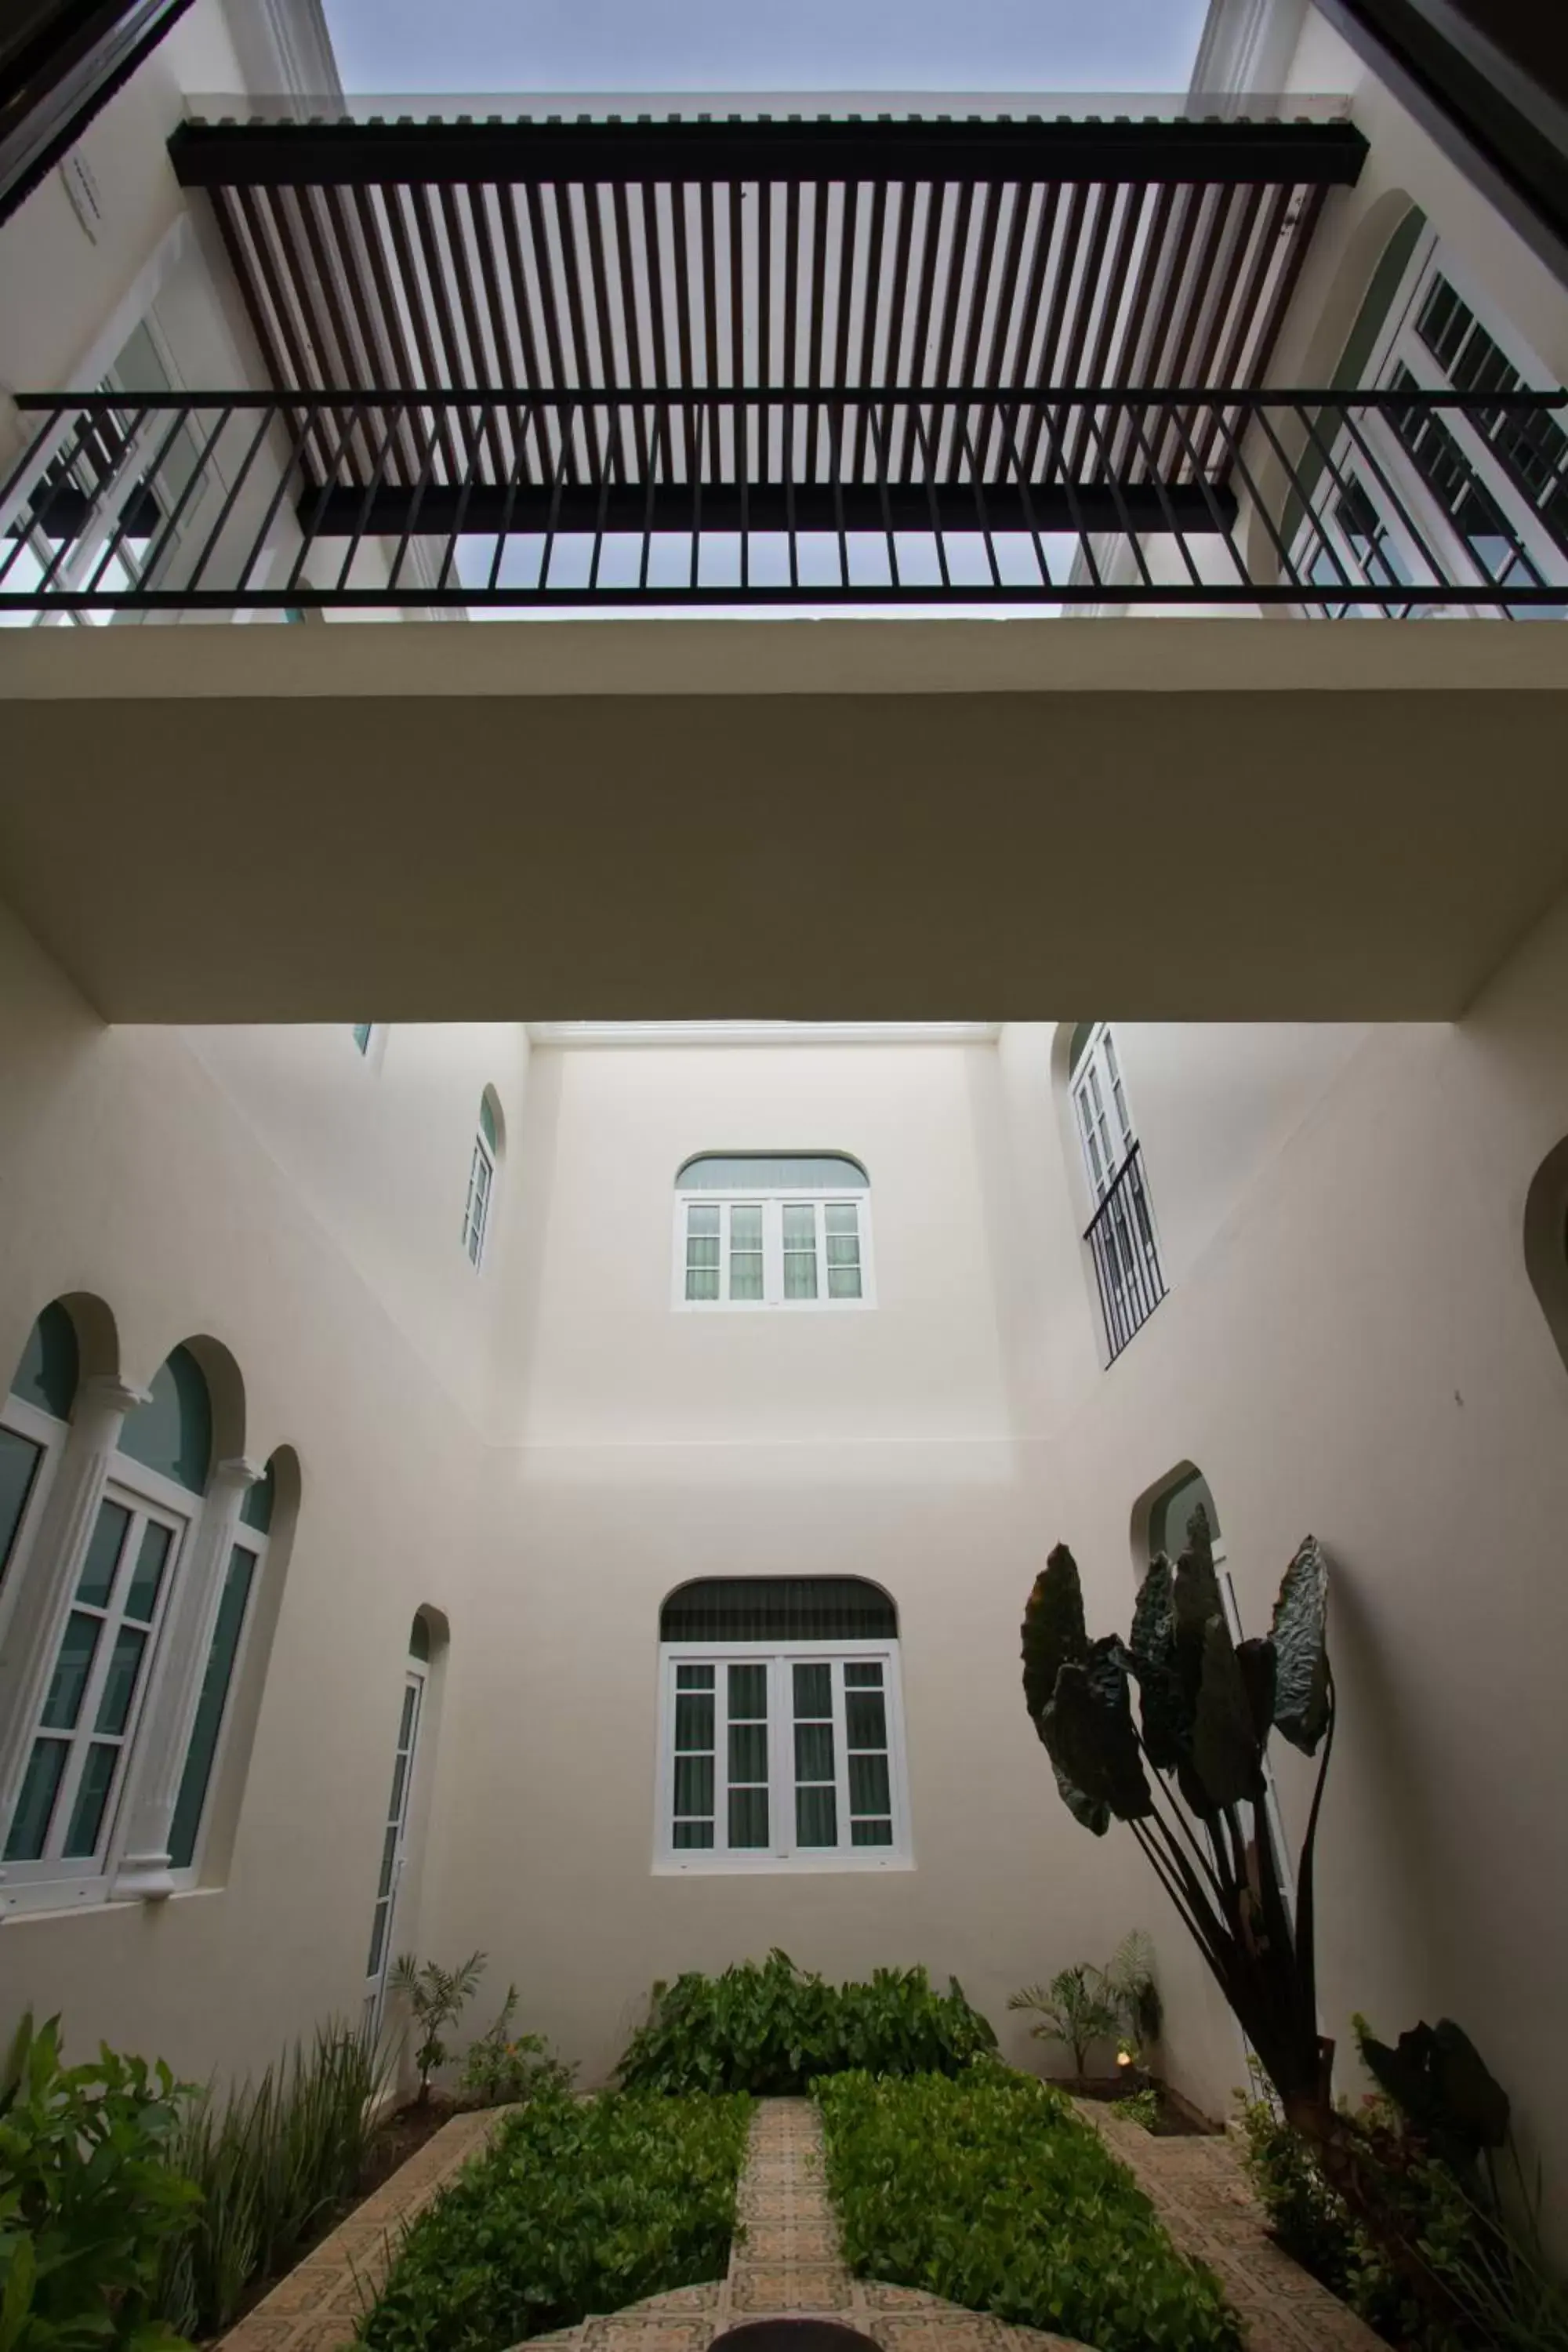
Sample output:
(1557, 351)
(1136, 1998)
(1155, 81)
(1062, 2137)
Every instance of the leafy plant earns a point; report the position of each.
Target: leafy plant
(1075, 2008)
(578, 2206)
(1490, 2289)
(1083, 2005)
(437, 1999)
(87, 2198)
(1188, 1778)
(272, 2159)
(769, 2027)
(501, 2068)
(987, 2189)
(1140, 2107)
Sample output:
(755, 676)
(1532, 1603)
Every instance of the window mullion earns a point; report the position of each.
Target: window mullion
(724, 1207)
(772, 1251)
(781, 1760)
(721, 1754)
(841, 1755)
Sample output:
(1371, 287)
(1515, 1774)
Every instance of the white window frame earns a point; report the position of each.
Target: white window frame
(782, 1855)
(62, 1882)
(1102, 1111)
(40, 1429)
(772, 1201)
(255, 1540)
(1399, 344)
(476, 1208)
(395, 1823)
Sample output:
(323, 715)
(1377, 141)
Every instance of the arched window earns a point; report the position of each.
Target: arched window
(1120, 1233)
(131, 1563)
(1172, 1525)
(772, 1229)
(781, 1740)
(393, 1856)
(1546, 1242)
(1480, 495)
(481, 1177)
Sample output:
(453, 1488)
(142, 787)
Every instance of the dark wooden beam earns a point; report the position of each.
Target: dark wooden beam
(526, 152)
(60, 61)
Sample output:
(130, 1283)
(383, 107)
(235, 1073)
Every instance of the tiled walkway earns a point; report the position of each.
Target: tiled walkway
(317, 2308)
(1202, 2195)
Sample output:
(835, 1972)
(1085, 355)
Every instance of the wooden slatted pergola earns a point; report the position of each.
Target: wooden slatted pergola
(830, 323)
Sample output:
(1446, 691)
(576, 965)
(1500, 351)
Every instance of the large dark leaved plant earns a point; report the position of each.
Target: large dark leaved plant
(1187, 1774)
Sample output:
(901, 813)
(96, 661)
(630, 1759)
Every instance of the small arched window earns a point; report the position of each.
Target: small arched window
(781, 1742)
(482, 1168)
(772, 1229)
(1546, 1242)
(33, 1424)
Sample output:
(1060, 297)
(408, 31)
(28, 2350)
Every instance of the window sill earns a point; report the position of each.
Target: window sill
(18, 1905)
(769, 1866)
(773, 1306)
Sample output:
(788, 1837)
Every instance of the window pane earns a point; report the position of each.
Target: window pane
(816, 1817)
(19, 1460)
(694, 1785)
(701, 1285)
(92, 1799)
(748, 1818)
(694, 1720)
(692, 1833)
(746, 1227)
(870, 1791)
(399, 1775)
(844, 1282)
(748, 1694)
(866, 1719)
(405, 1720)
(843, 1249)
(800, 1271)
(694, 1678)
(377, 1937)
(388, 1861)
(870, 1832)
(842, 1217)
(703, 1218)
(120, 1682)
(814, 1692)
(748, 1751)
(35, 1805)
(863, 1675)
(73, 1666)
(142, 1598)
(813, 1751)
(102, 1556)
(703, 1249)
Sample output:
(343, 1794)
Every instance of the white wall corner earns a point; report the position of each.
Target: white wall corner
(284, 49)
(1246, 47)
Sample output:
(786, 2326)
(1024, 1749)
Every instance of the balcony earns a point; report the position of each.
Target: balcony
(881, 497)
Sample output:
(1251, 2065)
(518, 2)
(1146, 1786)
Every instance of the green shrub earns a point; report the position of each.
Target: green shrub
(273, 2160)
(437, 1998)
(579, 2205)
(768, 2027)
(1140, 2107)
(87, 2198)
(988, 2190)
(501, 2068)
(1485, 2263)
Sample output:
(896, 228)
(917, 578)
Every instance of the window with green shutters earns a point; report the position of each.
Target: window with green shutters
(781, 1740)
(772, 1229)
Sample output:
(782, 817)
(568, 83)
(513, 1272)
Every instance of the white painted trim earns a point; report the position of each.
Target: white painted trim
(1246, 48)
(285, 49)
(763, 1033)
(766, 1198)
(714, 1862)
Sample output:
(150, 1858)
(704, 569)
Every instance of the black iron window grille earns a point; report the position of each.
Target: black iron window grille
(1121, 1237)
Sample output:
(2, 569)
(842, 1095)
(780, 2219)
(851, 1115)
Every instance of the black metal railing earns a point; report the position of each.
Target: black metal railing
(1400, 501)
(1121, 1236)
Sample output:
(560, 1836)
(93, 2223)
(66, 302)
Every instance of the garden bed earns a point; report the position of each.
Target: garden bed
(989, 2192)
(578, 2206)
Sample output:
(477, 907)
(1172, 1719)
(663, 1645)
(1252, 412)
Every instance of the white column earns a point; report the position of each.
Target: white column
(169, 1708)
(51, 1570)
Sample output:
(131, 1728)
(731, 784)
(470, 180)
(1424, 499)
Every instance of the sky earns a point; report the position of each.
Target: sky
(515, 47)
